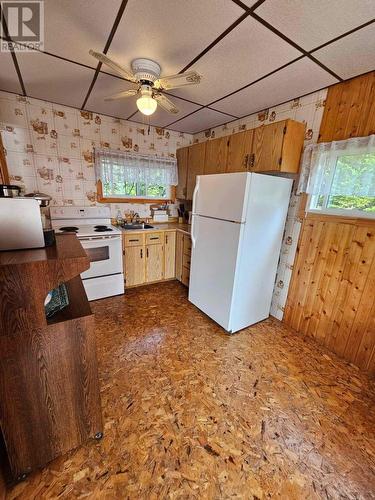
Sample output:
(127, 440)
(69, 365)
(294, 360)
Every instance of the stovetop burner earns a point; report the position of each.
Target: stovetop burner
(100, 226)
(69, 229)
(100, 229)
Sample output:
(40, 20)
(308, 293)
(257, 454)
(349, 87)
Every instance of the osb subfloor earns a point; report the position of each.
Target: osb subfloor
(191, 412)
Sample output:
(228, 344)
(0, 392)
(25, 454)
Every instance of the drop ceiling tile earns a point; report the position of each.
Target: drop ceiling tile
(310, 23)
(245, 54)
(46, 77)
(73, 27)
(201, 120)
(8, 76)
(106, 86)
(161, 118)
(297, 79)
(170, 32)
(249, 3)
(351, 55)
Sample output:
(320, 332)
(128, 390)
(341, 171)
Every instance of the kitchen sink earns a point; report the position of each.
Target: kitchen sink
(137, 226)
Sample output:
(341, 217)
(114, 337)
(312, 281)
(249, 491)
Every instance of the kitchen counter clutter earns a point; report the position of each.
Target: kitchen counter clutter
(157, 254)
(167, 226)
(50, 362)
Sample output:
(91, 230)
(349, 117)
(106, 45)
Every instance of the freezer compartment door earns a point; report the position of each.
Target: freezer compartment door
(213, 265)
(223, 196)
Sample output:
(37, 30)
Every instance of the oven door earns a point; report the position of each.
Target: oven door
(105, 254)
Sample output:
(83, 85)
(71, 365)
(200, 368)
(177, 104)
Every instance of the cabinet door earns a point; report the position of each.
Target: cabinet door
(216, 156)
(134, 265)
(196, 160)
(182, 165)
(169, 254)
(179, 252)
(239, 148)
(267, 147)
(154, 263)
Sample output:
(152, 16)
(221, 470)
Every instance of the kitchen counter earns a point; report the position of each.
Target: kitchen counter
(166, 226)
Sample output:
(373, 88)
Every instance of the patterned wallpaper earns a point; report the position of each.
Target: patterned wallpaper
(49, 147)
(308, 109)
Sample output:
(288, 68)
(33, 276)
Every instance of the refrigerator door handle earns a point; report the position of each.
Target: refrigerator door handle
(196, 189)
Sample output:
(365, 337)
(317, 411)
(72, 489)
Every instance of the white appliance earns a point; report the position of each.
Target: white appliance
(237, 228)
(102, 243)
(20, 224)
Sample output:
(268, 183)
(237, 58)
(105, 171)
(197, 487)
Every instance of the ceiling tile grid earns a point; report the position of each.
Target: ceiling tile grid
(224, 40)
(352, 55)
(247, 53)
(202, 119)
(310, 23)
(297, 79)
(170, 32)
(53, 79)
(8, 76)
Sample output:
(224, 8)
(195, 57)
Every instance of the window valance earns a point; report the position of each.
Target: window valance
(117, 167)
(339, 168)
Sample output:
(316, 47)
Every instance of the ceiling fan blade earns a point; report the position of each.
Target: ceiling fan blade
(113, 65)
(166, 104)
(121, 95)
(176, 81)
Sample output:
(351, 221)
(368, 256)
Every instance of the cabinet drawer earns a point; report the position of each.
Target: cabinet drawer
(187, 245)
(185, 276)
(186, 261)
(133, 240)
(154, 238)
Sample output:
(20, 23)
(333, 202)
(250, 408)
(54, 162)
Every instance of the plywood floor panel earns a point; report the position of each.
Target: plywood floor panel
(193, 413)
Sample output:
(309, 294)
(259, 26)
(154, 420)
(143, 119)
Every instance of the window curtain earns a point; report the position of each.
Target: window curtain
(356, 158)
(114, 167)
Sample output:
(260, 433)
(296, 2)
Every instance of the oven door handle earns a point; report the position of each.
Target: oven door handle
(100, 238)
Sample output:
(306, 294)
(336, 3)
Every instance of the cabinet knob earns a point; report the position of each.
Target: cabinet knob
(141, 253)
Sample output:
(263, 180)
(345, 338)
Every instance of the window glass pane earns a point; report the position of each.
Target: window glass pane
(353, 183)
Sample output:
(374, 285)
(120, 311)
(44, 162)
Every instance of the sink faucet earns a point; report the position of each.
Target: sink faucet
(135, 217)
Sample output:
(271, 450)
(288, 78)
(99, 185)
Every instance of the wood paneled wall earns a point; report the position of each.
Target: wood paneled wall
(331, 296)
(349, 109)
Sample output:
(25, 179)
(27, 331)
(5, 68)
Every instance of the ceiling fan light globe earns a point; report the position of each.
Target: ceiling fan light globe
(146, 105)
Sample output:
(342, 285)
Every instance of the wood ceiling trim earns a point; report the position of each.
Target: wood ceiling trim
(248, 11)
(13, 54)
(343, 35)
(293, 44)
(106, 47)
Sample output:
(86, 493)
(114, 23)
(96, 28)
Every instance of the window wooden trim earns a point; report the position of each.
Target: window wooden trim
(4, 173)
(103, 199)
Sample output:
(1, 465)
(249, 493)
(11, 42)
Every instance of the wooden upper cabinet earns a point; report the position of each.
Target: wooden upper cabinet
(216, 156)
(277, 147)
(240, 146)
(196, 161)
(182, 165)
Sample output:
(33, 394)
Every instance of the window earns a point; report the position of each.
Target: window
(341, 177)
(132, 176)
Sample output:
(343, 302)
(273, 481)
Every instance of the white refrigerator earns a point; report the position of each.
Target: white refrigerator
(237, 228)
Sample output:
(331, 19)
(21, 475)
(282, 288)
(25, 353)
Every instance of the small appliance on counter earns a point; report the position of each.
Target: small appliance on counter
(45, 215)
(20, 224)
(9, 191)
(159, 213)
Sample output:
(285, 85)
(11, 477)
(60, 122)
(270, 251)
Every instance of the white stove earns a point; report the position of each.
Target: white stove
(102, 243)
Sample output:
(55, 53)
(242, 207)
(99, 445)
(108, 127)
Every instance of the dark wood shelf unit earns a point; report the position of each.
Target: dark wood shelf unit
(49, 388)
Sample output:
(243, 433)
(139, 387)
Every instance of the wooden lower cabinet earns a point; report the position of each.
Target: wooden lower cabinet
(134, 265)
(154, 263)
(183, 257)
(149, 257)
(169, 255)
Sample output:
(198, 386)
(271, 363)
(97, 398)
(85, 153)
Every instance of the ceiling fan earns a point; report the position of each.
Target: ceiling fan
(148, 84)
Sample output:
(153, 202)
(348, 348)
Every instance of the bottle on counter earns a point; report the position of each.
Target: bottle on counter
(119, 218)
